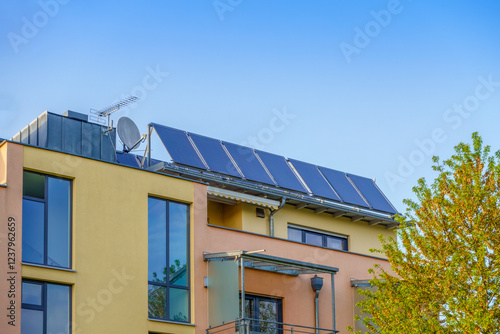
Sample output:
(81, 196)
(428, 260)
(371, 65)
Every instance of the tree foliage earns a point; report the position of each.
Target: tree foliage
(445, 264)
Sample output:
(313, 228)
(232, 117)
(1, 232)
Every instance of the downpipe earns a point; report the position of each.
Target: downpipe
(316, 310)
(271, 216)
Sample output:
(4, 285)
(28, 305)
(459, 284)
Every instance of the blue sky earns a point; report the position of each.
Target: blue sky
(373, 88)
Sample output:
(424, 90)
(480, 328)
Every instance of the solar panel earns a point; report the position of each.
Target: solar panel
(343, 186)
(248, 163)
(372, 193)
(178, 146)
(314, 180)
(281, 172)
(127, 159)
(216, 158)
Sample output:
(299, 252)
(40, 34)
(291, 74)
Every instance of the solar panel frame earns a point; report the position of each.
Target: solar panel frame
(314, 179)
(215, 155)
(248, 163)
(178, 146)
(343, 186)
(372, 193)
(280, 171)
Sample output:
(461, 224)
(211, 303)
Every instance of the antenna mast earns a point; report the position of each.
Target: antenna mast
(111, 109)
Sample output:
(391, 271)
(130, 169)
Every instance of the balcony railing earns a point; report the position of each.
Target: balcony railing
(250, 326)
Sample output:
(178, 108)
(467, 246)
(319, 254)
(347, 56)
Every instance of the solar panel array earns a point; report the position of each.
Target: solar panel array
(242, 162)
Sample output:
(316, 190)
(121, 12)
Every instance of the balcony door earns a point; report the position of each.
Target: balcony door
(266, 313)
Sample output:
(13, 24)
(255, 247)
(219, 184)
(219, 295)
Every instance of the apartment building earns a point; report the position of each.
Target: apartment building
(220, 239)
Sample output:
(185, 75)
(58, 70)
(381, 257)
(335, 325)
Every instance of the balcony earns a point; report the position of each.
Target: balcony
(261, 310)
(250, 326)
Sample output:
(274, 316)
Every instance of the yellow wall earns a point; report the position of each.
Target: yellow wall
(110, 241)
(361, 236)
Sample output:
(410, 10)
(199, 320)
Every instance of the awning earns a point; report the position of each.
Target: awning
(237, 196)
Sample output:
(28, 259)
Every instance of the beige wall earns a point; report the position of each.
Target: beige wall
(11, 160)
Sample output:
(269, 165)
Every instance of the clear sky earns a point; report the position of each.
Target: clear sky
(373, 88)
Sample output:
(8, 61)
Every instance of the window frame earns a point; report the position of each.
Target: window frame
(44, 302)
(324, 236)
(45, 201)
(167, 285)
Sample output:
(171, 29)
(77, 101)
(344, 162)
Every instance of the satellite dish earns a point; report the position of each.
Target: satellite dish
(129, 133)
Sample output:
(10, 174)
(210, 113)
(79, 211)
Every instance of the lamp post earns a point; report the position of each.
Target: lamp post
(316, 284)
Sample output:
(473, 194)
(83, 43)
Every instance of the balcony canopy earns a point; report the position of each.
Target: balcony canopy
(255, 260)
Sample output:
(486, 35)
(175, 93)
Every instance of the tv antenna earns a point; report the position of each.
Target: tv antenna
(106, 112)
(129, 134)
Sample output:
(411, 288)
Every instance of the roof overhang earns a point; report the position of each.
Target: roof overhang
(254, 260)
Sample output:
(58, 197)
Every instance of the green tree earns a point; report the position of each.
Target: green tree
(446, 262)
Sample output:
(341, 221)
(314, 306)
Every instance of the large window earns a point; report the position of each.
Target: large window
(317, 238)
(46, 308)
(46, 220)
(168, 264)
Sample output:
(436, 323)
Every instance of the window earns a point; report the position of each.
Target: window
(45, 308)
(266, 311)
(46, 220)
(168, 266)
(316, 238)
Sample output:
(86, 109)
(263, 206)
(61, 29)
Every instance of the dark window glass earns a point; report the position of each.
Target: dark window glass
(157, 240)
(314, 239)
(168, 291)
(157, 297)
(58, 309)
(34, 185)
(335, 243)
(317, 238)
(266, 312)
(46, 220)
(177, 231)
(179, 304)
(33, 231)
(31, 293)
(58, 228)
(46, 308)
(31, 321)
(294, 234)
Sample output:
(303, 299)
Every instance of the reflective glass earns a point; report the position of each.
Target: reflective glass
(314, 239)
(268, 311)
(179, 304)
(31, 294)
(178, 226)
(157, 298)
(31, 321)
(33, 185)
(58, 308)
(58, 244)
(157, 240)
(294, 234)
(33, 231)
(335, 243)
